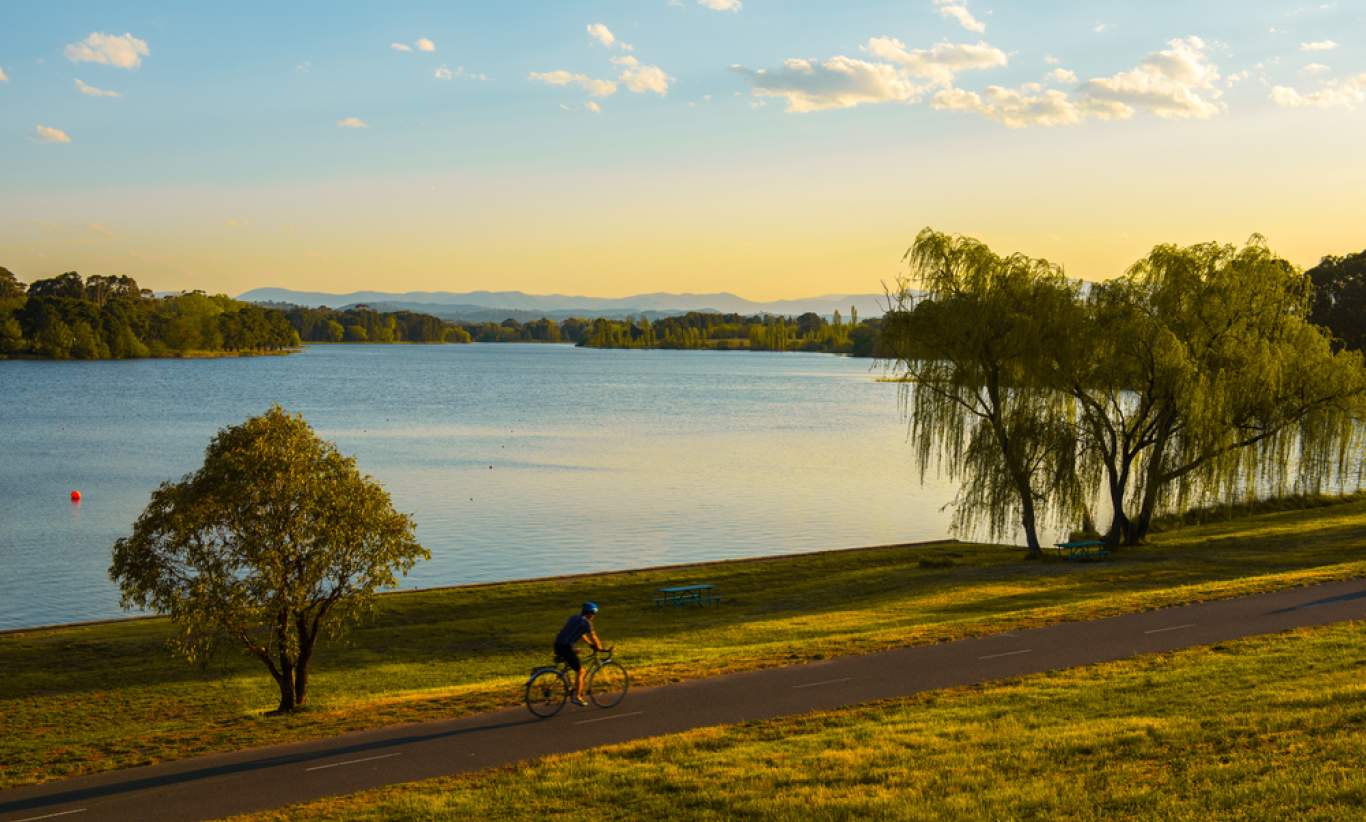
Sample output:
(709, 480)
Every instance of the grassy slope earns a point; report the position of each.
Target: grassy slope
(1264, 728)
(89, 698)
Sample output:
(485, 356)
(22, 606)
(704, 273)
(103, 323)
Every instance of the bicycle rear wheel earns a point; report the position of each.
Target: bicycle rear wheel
(546, 693)
(607, 684)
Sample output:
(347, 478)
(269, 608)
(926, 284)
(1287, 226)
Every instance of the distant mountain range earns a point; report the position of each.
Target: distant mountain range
(481, 306)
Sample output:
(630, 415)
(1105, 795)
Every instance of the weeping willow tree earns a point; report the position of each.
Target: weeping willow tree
(969, 335)
(1242, 393)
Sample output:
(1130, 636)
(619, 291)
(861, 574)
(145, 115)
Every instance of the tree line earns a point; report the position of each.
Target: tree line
(362, 324)
(110, 317)
(1200, 374)
(734, 332)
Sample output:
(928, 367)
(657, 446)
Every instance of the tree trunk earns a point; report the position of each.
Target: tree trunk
(1027, 520)
(300, 683)
(286, 682)
(1120, 526)
(1152, 484)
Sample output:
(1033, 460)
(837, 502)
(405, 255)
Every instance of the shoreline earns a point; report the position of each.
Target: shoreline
(466, 586)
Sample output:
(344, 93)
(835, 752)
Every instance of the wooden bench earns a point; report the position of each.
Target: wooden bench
(1082, 549)
(700, 595)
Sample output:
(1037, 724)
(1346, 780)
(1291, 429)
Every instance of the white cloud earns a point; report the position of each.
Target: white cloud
(352, 122)
(642, 78)
(1315, 69)
(1176, 82)
(400, 47)
(1346, 93)
(4, 78)
(1101, 28)
(423, 44)
(444, 72)
(840, 82)
(958, 10)
(560, 77)
(91, 91)
(720, 5)
(593, 107)
(124, 51)
(1318, 45)
(940, 62)
(1016, 108)
(1051, 60)
(602, 34)
(843, 82)
(48, 134)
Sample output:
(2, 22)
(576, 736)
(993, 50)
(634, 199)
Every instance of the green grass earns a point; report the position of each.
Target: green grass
(1266, 728)
(90, 698)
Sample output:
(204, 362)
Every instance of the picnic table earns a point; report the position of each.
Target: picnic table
(1080, 549)
(700, 595)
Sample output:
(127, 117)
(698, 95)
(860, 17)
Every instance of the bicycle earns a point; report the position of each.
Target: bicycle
(549, 687)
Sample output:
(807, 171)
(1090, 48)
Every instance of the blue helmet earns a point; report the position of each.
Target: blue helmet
(590, 608)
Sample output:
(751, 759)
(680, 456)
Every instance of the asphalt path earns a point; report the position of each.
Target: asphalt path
(262, 778)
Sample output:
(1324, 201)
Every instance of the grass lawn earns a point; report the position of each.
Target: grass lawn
(89, 698)
(1265, 728)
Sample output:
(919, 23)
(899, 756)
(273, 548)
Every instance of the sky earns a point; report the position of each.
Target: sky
(771, 148)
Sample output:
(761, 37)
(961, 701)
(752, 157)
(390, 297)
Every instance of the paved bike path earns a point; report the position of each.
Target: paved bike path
(261, 778)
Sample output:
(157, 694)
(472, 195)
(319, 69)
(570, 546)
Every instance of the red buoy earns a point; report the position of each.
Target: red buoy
(75, 496)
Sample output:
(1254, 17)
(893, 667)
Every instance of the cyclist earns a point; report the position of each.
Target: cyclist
(578, 627)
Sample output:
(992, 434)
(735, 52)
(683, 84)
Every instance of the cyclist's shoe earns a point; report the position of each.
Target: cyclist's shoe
(578, 701)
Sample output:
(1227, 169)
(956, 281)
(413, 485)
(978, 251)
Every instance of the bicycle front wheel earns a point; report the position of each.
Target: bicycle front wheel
(546, 693)
(607, 685)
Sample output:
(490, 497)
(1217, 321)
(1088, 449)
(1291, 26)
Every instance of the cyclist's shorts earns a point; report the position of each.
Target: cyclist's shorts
(569, 655)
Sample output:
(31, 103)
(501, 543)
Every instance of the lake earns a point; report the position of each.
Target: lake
(516, 461)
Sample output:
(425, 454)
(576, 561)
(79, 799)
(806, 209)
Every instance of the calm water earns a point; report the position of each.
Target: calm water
(516, 460)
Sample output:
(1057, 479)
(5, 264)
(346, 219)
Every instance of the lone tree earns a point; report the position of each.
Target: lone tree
(971, 348)
(275, 541)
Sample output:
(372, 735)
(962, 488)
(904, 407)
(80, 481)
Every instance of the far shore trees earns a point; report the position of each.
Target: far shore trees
(275, 541)
(1197, 376)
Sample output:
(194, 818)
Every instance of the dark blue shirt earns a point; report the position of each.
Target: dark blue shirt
(574, 630)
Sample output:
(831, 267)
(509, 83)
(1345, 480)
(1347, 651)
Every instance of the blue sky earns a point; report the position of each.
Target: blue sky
(225, 162)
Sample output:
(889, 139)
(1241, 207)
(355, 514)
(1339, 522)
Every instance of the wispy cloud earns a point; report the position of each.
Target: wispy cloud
(122, 51)
(720, 5)
(91, 91)
(445, 73)
(560, 77)
(4, 78)
(593, 107)
(958, 10)
(420, 44)
(603, 34)
(1347, 93)
(1015, 108)
(641, 78)
(48, 134)
(352, 122)
(839, 82)
(1318, 45)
